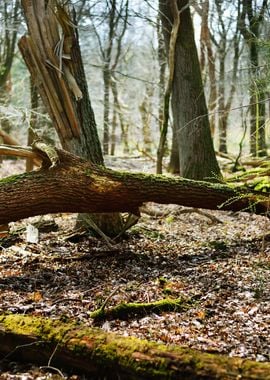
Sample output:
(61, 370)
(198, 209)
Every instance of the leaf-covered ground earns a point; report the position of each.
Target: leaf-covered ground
(222, 263)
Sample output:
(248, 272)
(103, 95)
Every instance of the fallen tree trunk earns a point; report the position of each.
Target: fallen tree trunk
(75, 185)
(94, 352)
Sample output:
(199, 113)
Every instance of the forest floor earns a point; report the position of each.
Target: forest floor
(221, 259)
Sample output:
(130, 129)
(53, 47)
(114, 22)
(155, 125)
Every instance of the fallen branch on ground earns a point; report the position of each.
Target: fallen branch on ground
(129, 310)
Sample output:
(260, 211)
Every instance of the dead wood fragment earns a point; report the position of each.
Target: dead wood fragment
(135, 310)
(156, 212)
(97, 353)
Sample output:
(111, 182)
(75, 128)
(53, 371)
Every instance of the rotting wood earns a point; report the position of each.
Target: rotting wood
(75, 185)
(134, 309)
(100, 354)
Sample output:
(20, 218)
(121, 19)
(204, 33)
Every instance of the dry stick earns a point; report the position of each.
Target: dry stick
(167, 96)
(213, 218)
(53, 369)
(19, 151)
(110, 243)
(108, 298)
(131, 220)
(10, 142)
(22, 346)
(163, 214)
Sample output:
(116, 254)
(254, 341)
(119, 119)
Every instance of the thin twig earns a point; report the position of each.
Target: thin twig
(54, 369)
(22, 346)
(108, 298)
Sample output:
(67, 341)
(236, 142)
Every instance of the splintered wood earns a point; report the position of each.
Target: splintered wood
(47, 51)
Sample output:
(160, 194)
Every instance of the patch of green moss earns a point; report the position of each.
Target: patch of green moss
(263, 264)
(133, 354)
(135, 358)
(43, 328)
(162, 281)
(220, 245)
(88, 172)
(129, 310)
(11, 179)
(168, 291)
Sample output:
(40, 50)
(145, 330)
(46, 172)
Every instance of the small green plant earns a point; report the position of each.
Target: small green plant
(259, 286)
(168, 291)
(220, 245)
(162, 281)
(170, 219)
(263, 185)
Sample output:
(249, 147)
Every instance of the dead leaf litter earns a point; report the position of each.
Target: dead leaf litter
(223, 266)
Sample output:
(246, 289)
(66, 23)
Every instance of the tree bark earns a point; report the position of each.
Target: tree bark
(196, 152)
(63, 87)
(171, 52)
(75, 185)
(99, 354)
(250, 21)
(207, 56)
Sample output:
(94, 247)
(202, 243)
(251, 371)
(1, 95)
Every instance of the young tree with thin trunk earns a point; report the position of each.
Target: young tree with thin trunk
(116, 19)
(145, 109)
(250, 21)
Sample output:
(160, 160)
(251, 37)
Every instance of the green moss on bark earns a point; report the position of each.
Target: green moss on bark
(98, 353)
(129, 310)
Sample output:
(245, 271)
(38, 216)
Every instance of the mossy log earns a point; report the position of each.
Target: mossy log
(100, 354)
(129, 310)
(75, 185)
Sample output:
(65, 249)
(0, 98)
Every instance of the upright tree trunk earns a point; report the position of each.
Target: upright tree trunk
(146, 115)
(33, 122)
(222, 117)
(174, 157)
(171, 51)
(162, 69)
(106, 108)
(257, 106)
(207, 51)
(196, 152)
(118, 112)
(250, 19)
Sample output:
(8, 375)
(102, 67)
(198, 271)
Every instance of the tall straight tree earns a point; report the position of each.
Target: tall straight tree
(251, 17)
(196, 152)
(227, 41)
(207, 59)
